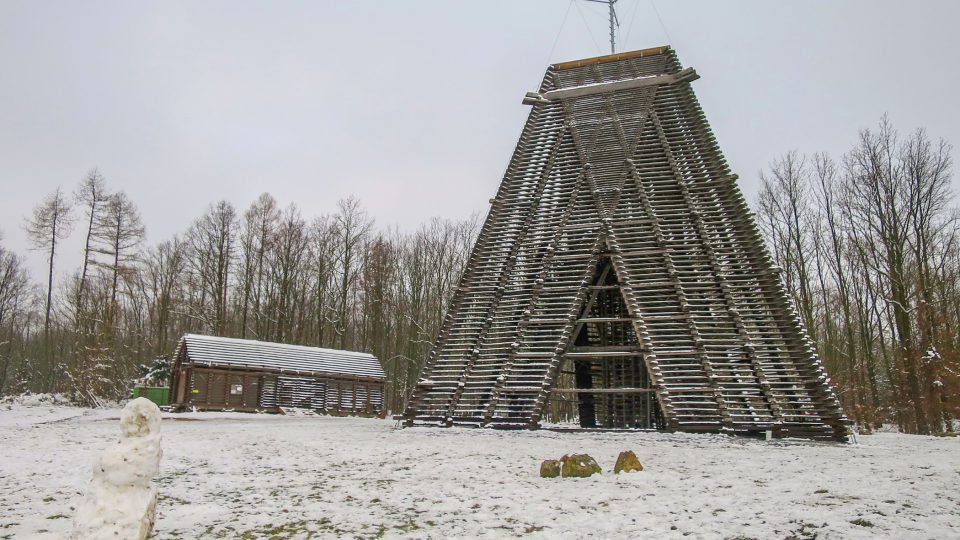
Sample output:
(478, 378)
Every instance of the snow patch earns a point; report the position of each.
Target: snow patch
(37, 400)
(233, 475)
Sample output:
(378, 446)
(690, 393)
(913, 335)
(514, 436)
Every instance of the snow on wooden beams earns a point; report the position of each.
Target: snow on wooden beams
(686, 75)
(620, 276)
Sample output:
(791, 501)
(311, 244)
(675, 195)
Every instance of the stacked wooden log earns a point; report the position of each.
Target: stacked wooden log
(617, 167)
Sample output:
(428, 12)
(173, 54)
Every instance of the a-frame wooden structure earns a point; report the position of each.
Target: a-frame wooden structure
(620, 266)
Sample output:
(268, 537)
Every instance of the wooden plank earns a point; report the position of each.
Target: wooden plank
(603, 390)
(611, 57)
(683, 76)
(603, 354)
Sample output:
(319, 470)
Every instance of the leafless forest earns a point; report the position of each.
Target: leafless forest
(868, 247)
(265, 273)
(867, 243)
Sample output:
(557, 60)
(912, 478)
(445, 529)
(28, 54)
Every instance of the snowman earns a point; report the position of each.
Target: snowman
(121, 502)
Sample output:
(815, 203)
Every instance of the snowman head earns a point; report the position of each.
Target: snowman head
(140, 418)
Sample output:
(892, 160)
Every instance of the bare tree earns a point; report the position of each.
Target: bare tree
(322, 279)
(256, 238)
(287, 271)
(841, 329)
(14, 296)
(351, 226)
(926, 170)
(118, 230)
(880, 200)
(91, 196)
(164, 267)
(213, 241)
(50, 223)
(784, 207)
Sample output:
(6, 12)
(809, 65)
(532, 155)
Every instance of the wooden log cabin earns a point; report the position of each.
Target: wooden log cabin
(217, 373)
(620, 269)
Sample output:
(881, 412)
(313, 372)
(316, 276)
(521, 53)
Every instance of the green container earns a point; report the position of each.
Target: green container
(157, 394)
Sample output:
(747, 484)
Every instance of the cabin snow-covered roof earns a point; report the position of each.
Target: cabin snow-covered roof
(233, 352)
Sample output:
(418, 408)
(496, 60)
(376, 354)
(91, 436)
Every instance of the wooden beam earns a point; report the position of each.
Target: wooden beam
(604, 390)
(611, 57)
(602, 354)
(683, 76)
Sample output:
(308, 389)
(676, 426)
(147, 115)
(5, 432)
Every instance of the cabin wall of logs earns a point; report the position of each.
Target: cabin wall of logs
(218, 373)
(227, 388)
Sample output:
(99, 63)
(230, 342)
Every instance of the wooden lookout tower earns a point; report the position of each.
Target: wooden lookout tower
(620, 269)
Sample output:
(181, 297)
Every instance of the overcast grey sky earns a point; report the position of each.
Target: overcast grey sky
(414, 106)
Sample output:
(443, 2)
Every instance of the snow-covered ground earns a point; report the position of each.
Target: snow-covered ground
(263, 476)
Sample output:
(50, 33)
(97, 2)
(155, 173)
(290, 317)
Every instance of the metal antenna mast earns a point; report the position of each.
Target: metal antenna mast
(614, 22)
